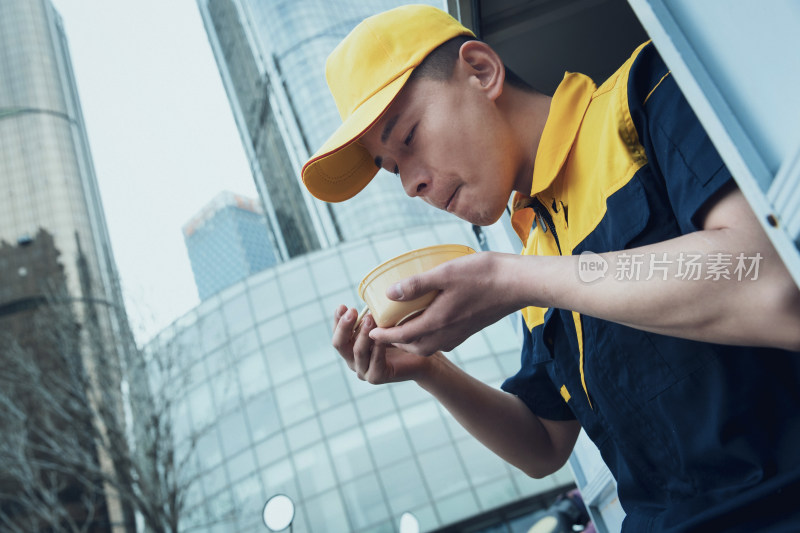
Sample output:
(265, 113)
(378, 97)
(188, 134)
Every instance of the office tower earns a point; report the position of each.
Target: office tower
(227, 241)
(272, 409)
(56, 260)
(271, 57)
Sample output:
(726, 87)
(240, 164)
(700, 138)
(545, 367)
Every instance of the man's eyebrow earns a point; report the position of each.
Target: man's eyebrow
(387, 129)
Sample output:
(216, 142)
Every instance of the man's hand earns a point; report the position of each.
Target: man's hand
(372, 361)
(474, 292)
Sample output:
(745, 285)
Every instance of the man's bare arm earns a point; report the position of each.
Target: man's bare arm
(501, 421)
(762, 310)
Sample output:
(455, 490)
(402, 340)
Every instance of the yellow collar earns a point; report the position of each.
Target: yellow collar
(567, 109)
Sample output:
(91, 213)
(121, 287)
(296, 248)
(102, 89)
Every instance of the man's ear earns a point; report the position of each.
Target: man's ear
(484, 67)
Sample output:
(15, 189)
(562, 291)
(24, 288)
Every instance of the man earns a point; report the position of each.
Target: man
(685, 379)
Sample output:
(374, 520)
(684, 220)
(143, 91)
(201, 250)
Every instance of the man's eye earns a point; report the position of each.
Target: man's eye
(410, 135)
(396, 170)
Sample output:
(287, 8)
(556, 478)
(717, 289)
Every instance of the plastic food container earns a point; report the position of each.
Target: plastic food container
(372, 288)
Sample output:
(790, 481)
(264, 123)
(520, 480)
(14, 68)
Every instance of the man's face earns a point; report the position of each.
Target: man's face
(449, 146)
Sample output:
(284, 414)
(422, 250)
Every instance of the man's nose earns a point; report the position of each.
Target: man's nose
(415, 181)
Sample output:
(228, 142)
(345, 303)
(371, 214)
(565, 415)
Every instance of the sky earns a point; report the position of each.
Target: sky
(162, 136)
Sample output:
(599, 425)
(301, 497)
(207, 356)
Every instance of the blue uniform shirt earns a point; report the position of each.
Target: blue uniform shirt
(699, 436)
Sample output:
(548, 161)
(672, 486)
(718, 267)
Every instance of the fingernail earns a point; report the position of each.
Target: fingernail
(395, 292)
(350, 315)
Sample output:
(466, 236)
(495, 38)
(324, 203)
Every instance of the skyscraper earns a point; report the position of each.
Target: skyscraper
(55, 242)
(271, 57)
(227, 241)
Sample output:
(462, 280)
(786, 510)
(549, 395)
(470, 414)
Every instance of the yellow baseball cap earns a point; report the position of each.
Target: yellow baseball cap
(365, 72)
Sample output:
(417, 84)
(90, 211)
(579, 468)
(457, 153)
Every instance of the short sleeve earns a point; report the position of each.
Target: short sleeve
(533, 385)
(675, 142)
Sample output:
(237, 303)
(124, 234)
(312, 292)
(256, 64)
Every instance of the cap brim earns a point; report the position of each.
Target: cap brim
(342, 167)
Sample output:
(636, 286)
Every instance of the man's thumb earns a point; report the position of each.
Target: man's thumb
(395, 292)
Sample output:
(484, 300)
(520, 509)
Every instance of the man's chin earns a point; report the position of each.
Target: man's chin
(481, 219)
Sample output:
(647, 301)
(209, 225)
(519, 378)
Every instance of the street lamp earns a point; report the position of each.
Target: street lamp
(409, 523)
(278, 513)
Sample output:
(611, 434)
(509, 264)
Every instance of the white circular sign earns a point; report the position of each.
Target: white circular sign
(409, 523)
(278, 512)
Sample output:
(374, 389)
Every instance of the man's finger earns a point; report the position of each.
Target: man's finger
(409, 332)
(342, 331)
(362, 347)
(422, 349)
(377, 367)
(337, 314)
(413, 286)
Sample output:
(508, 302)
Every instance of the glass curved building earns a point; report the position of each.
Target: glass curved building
(287, 416)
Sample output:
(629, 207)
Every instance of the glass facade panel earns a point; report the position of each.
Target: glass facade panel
(330, 275)
(196, 373)
(350, 455)
(271, 450)
(315, 347)
(273, 328)
(452, 507)
(328, 386)
(267, 301)
(240, 466)
(408, 393)
(387, 440)
(212, 330)
(485, 369)
(209, 453)
(233, 431)
(502, 337)
(482, 465)
(305, 316)
(283, 359)
(280, 477)
(296, 284)
(427, 517)
(314, 472)
(443, 471)
(245, 343)
(214, 480)
(338, 419)
(326, 513)
(377, 403)
(294, 401)
(404, 485)
(238, 316)
(262, 416)
(201, 406)
(253, 375)
(303, 434)
(365, 502)
(496, 493)
(249, 502)
(473, 348)
(425, 427)
(226, 392)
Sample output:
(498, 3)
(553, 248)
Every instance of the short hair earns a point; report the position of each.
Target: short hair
(439, 64)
